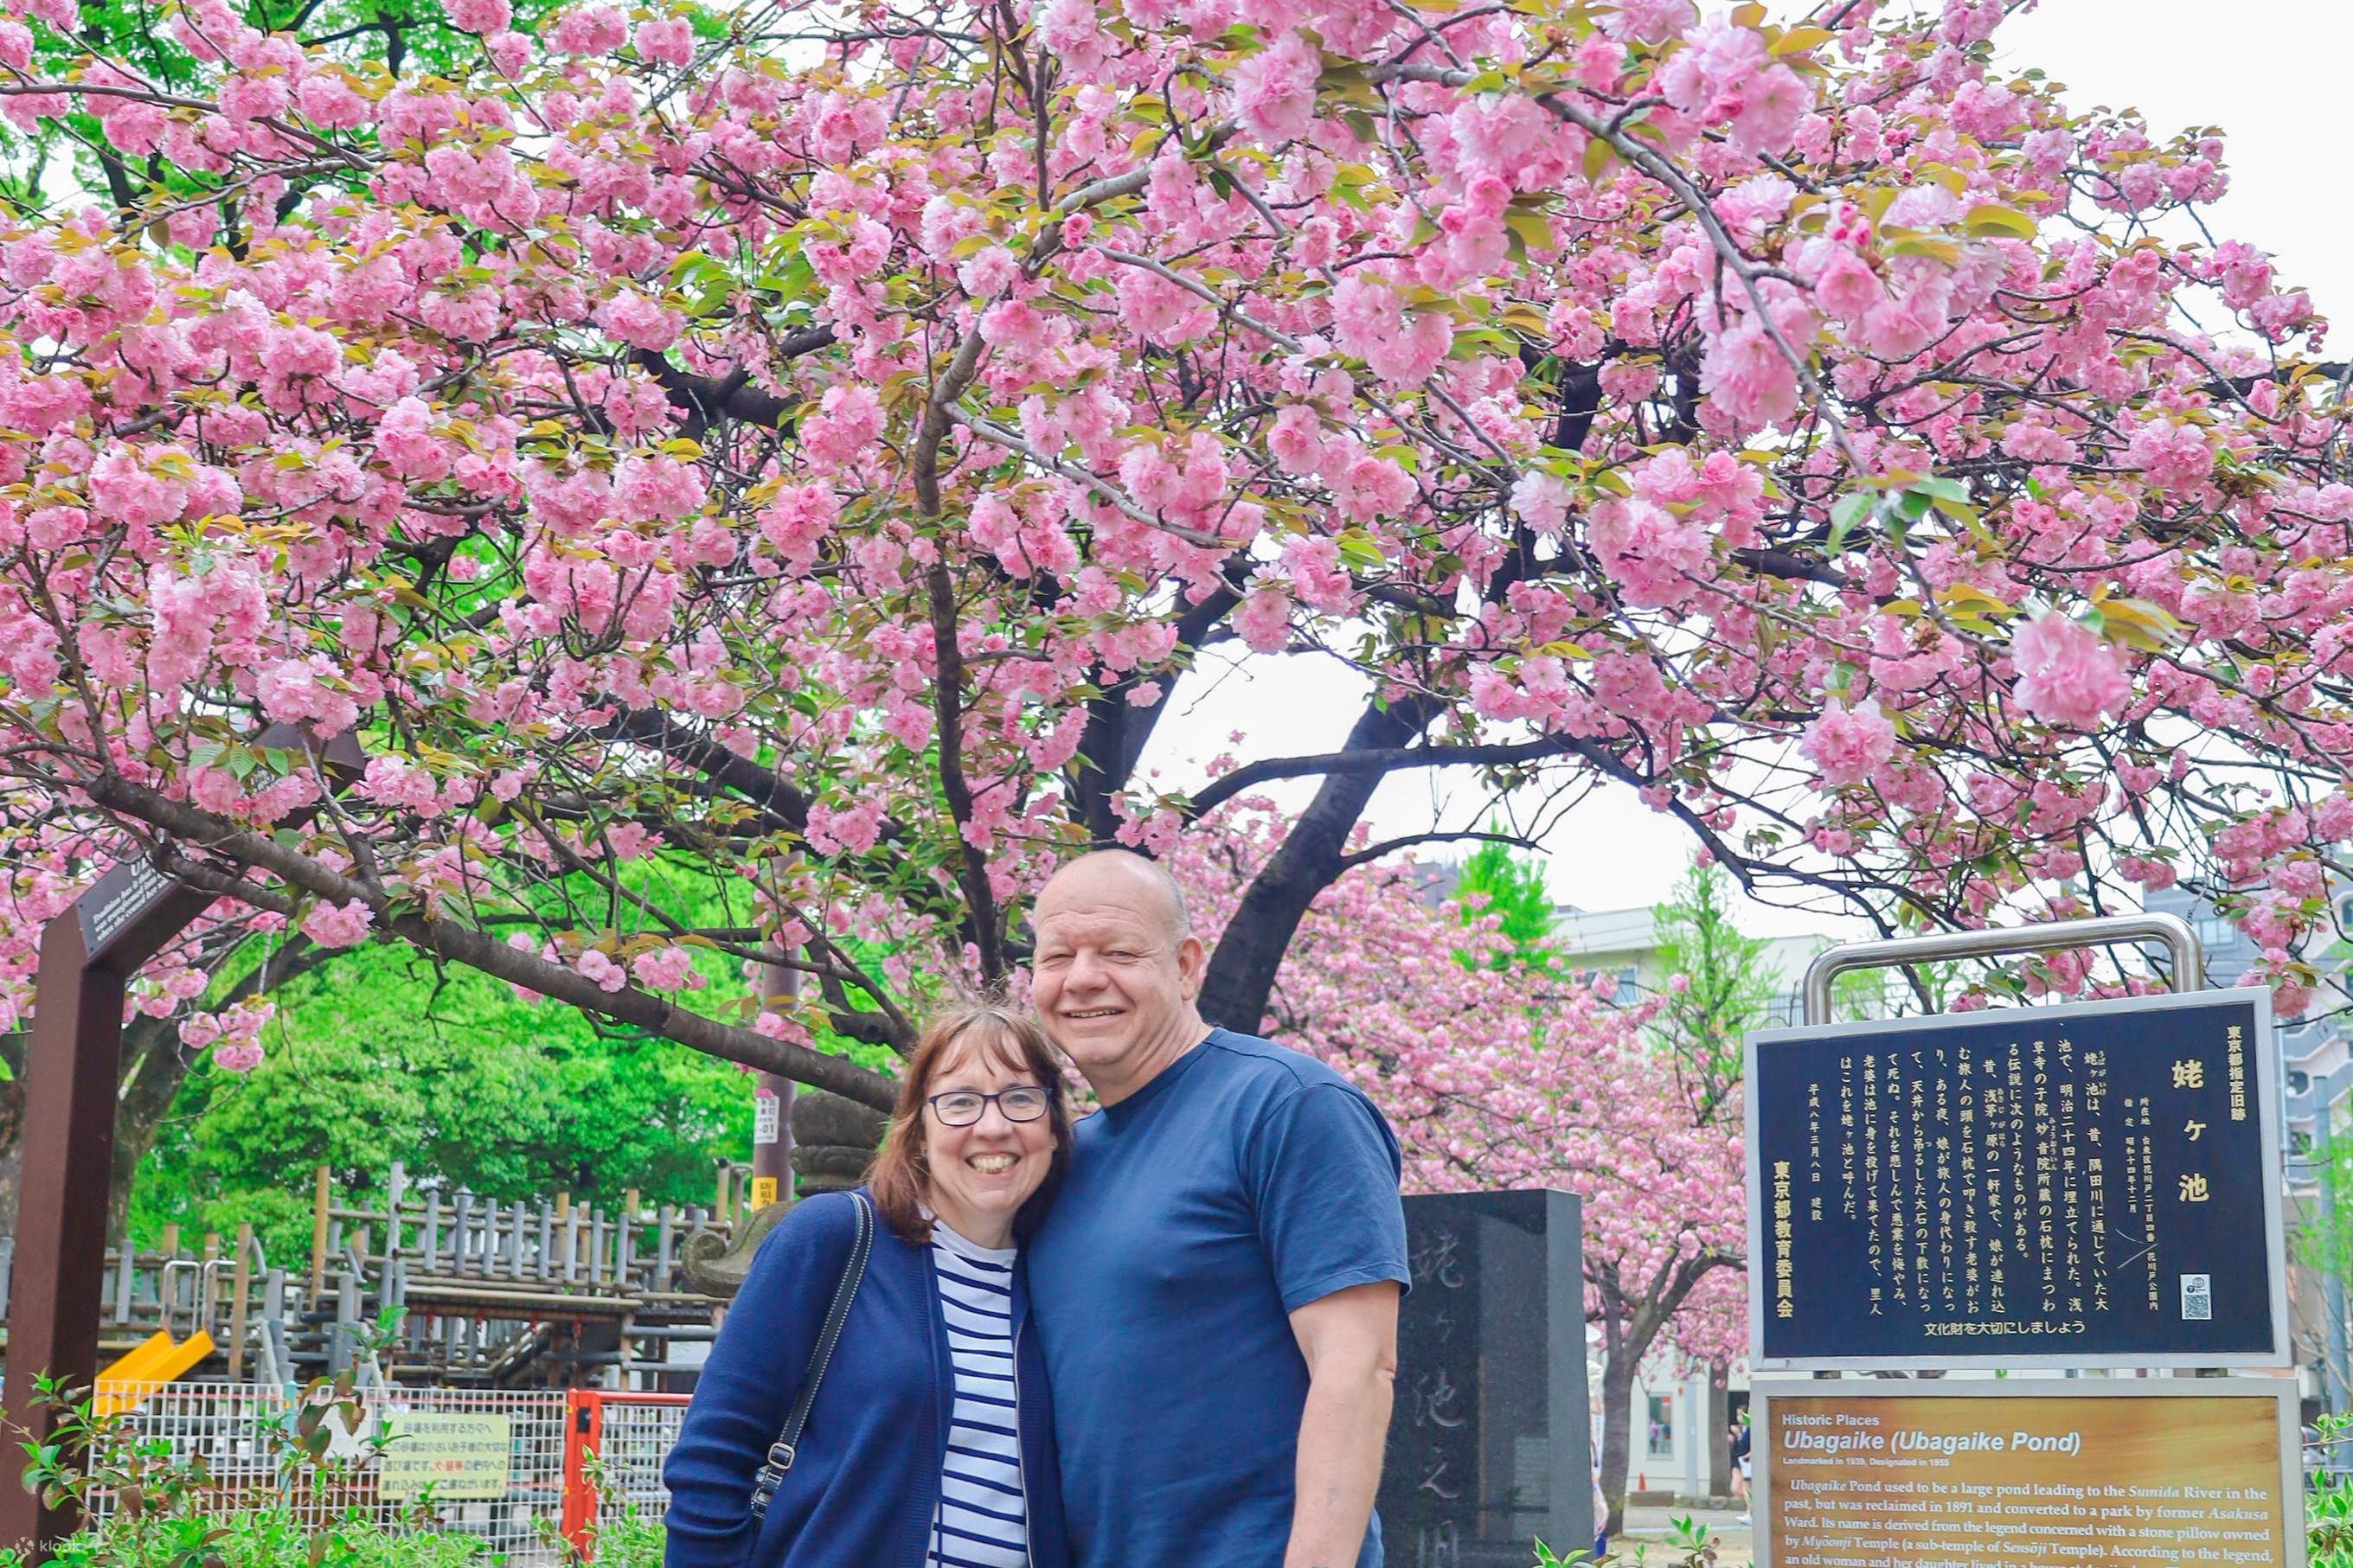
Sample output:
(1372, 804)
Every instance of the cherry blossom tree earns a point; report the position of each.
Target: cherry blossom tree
(797, 454)
(1500, 1070)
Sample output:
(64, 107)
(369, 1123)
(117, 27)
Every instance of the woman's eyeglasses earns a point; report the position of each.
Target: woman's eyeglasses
(962, 1107)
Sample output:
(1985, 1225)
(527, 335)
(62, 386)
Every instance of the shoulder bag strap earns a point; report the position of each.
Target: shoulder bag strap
(781, 1452)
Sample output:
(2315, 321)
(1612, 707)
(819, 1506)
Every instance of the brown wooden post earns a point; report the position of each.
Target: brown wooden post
(240, 1281)
(321, 1193)
(73, 1061)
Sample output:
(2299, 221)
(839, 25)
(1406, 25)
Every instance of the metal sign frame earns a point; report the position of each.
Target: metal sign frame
(2005, 941)
(2263, 1048)
(2283, 1392)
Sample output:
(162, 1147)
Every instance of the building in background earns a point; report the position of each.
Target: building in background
(2311, 1050)
(1682, 1411)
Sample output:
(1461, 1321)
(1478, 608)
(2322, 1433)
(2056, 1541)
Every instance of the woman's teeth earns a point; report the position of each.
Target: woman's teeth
(992, 1164)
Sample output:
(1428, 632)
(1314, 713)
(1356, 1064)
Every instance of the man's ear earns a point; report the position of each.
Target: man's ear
(1192, 964)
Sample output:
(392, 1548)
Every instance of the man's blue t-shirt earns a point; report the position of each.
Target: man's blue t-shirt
(1242, 1182)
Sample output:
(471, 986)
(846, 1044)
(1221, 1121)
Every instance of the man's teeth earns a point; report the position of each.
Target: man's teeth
(991, 1164)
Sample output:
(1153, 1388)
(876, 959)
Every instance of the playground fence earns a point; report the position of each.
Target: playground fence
(517, 1508)
(631, 1433)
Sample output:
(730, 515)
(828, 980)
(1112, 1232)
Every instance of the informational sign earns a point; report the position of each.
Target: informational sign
(766, 1124)
(2037, 1474)
(116, 900)
(2086, 1185)
(763, 1191)
(463, 1457)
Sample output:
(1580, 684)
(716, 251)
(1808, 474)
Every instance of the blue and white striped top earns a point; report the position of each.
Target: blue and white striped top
(983, 1516)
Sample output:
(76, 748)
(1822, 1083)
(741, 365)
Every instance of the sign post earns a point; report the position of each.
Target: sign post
(2076, 1186)
(772, 1106)
(89, 954)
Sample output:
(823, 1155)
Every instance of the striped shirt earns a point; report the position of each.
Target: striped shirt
(982, 1520)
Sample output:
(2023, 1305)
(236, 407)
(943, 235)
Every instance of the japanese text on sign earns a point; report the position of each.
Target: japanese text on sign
(464, 1458)
(2075, 1181)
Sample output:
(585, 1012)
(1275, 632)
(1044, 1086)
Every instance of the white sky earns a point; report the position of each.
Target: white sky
(2269, 73)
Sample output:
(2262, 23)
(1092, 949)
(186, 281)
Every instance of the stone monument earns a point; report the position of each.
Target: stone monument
(1491, 1444)
(834, 1141)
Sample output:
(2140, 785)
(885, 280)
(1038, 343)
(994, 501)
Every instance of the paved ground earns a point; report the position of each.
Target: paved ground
(1649, 1526)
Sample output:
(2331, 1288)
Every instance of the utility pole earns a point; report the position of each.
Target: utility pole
(772, 1105)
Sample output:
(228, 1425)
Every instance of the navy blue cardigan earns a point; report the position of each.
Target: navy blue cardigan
(862, 1493)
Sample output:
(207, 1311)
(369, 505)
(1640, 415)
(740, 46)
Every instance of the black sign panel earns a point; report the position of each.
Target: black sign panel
(2097, 1185)
(1488, 1447)
(127, 891)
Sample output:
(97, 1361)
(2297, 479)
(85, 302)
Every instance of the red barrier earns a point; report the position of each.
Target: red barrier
(630, 1433)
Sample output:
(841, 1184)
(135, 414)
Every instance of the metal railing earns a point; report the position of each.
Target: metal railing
(2001, 941)
(630, 1434)
(229, 1428)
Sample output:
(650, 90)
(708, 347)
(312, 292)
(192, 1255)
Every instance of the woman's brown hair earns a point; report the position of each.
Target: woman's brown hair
(902, 1170)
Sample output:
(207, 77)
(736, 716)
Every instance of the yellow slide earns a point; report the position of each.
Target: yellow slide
(156, 1361)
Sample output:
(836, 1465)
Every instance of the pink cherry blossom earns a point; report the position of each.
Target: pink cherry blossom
(2065, 674)
(332, 925)
(1850, 745)
(814, 470)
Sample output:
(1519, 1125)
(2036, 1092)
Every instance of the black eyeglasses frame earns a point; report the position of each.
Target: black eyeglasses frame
(1045, 1108)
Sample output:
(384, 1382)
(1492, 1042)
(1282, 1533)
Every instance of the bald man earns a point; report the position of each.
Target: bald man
(1216, 1286)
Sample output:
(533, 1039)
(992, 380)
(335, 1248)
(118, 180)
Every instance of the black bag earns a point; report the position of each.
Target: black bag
(781, 1451)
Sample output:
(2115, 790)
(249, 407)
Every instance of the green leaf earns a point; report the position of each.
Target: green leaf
(1848, 515)
(1532, 228)
(1987, 218)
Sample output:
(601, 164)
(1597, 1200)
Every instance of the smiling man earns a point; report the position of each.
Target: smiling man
(1216, 1287)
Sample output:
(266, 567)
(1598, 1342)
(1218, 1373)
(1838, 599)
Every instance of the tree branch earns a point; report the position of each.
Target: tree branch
(980, 898)
(706, 400)
(476, 950)
(1222, 790)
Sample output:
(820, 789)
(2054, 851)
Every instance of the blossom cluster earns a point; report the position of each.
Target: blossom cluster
(711, 471)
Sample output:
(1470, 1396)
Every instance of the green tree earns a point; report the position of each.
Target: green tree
(1511, 886)
(1727, 985)
(374, 1058)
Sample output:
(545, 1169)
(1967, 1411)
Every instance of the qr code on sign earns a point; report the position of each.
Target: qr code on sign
(2197, 1298)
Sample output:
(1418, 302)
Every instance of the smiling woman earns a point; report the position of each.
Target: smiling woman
(927, 1435)
(967, 1147)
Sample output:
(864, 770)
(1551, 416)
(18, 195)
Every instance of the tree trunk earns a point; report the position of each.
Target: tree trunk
(1629, 1327)
(1243, 970)
(153, 1067)
(1719, 1431)
(1616, 1430)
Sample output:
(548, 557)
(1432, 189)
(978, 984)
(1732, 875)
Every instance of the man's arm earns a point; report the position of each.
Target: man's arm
(1349, 1339)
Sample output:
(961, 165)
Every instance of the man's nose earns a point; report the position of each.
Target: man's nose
(1084, 974)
